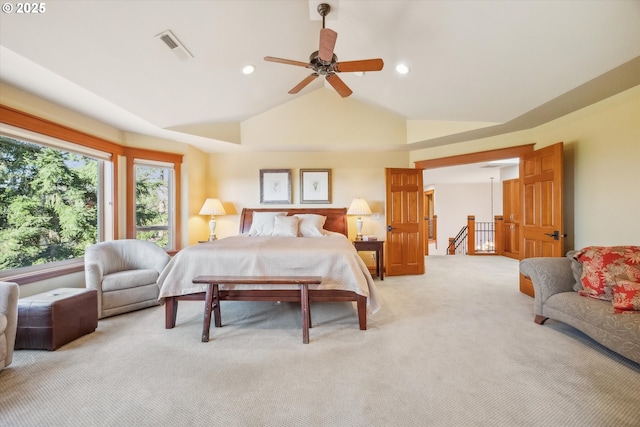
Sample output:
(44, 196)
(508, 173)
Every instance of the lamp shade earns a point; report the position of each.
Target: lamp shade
(212, 207)
(359, 207)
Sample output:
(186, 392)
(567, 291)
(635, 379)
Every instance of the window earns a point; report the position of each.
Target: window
(153, 192)
(84, 194)
(154, 203)
(51, 202)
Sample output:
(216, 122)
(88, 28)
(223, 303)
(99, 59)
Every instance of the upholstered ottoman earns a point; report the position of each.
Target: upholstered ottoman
(50, 320)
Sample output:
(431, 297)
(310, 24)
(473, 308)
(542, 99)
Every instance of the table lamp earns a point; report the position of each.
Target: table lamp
(359, 207)
(212, 207)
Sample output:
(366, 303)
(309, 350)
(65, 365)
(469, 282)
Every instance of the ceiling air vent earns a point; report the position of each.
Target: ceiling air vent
(174, 44)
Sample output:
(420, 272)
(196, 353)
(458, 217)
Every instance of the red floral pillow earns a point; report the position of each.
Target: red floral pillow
(626, 297)
(601, 265)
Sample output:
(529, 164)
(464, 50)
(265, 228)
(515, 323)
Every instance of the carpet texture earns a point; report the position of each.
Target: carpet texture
(454, 347)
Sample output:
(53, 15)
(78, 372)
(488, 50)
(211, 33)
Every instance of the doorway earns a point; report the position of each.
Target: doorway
(472, 185)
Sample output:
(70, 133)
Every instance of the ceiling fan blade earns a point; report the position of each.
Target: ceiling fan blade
(286, 61)
(339, 85)
(327, 43)
(362, 65)
(302, 84)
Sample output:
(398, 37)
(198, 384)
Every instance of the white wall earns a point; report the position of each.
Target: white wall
(453, 203)
(510, 172)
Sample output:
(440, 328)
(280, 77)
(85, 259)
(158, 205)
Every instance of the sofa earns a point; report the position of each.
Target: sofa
(586, 290)
(9, 294)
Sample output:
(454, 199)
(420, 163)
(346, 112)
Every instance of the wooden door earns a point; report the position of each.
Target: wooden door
(429, 225)
(405, 225)
(511, 212)
(542, 206)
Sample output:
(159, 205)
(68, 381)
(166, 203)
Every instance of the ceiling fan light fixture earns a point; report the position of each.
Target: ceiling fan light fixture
(248, 69)
(324, 62)
(402, 69)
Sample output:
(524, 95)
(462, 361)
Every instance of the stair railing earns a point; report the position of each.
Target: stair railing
(482, 238)
(458, 244)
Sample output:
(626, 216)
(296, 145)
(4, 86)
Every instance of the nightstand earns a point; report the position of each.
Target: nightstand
(376, 246)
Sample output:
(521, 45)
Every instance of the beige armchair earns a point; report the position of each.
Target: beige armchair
(9, 294)
(125, 274)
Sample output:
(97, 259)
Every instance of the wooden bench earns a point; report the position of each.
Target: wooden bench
(212, 299)
(283, 295)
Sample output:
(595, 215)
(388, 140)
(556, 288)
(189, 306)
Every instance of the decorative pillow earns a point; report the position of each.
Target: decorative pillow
(601, 266)
(262, 223)
(311, 225)
(285, 226)
(626, 296)
(576, 268)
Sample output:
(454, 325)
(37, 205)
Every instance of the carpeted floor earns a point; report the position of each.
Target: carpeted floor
(455, 347)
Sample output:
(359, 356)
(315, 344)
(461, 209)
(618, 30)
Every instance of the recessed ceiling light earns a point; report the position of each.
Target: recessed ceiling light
(359, 73)
(402, 69)
(249, 69)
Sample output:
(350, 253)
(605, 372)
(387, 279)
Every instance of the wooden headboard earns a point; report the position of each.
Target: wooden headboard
(336, 217)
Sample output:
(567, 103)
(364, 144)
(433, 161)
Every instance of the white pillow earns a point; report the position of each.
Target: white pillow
(334, 234)
(285, 226)
(311, 225)
(263, 222)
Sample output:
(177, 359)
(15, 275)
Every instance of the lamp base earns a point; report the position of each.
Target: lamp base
(359, 228)
(212, 229)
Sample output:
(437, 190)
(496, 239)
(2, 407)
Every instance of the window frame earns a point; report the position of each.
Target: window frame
(170, 227)
(19, 119)
(133, 154)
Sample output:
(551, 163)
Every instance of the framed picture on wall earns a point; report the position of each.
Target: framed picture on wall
(275, 186)
(315, 185)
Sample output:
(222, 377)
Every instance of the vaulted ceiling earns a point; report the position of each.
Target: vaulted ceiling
(476, 67)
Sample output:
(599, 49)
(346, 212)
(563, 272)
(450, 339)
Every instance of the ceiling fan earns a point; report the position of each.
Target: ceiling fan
(324, 62)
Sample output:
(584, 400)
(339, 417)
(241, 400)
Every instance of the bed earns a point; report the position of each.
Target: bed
(332, 256)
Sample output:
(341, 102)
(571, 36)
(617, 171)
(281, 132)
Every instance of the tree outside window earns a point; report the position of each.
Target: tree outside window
(58, 196)
(153, 204)
(48, 204)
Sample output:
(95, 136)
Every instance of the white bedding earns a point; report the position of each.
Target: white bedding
(333, 257)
